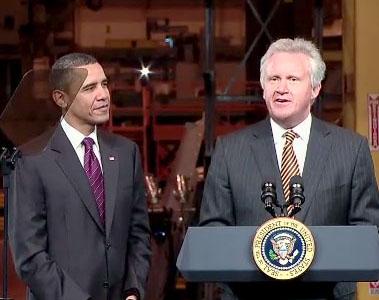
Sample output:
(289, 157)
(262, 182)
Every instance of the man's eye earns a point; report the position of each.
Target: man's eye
(89, 88)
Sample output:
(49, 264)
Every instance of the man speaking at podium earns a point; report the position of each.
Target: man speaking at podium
(335, 165)
(78, 218)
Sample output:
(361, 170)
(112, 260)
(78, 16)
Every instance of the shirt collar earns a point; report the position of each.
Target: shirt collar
(75, 136)
(302, 130)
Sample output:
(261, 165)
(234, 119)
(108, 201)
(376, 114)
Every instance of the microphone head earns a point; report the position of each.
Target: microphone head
(268, 196)
(296, 191)
(268, 184)
(269, 192)
(296, 180)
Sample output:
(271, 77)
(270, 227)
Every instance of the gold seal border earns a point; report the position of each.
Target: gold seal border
(277, 223)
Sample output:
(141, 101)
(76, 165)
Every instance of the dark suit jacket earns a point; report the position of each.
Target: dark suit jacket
(339, 186)
(60, 247)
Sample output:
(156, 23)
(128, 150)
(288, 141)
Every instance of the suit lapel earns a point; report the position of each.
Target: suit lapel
(110, 163)
(262, 145)
(68, 161)
(320, 142)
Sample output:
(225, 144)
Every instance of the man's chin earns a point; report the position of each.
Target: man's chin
(100, 120)
(284, 121)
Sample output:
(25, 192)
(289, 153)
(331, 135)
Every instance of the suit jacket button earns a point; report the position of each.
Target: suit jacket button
(107, 245)
(105, 284)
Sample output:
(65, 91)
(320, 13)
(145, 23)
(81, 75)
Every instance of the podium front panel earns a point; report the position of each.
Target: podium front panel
(223, 254)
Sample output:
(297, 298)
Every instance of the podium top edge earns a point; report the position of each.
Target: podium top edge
(218, 227)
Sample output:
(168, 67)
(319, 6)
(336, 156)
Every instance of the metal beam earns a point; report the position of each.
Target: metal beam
(209, 81)
(263, 29)
(318, 24)
(318, 16)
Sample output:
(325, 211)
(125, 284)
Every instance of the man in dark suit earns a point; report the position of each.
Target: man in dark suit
(336, 166)
(78, 217)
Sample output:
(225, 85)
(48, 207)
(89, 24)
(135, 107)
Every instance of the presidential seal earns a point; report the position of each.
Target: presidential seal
(283, 248)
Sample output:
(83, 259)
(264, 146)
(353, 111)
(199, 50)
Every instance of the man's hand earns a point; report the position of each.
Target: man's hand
(132, 297)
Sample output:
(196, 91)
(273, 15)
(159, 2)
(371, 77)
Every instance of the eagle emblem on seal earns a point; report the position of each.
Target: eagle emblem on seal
(283, 245)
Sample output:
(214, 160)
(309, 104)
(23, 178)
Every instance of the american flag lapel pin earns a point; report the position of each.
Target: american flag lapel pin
(111, 158)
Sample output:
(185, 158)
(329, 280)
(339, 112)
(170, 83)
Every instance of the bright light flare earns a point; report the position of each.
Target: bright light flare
(145, 71)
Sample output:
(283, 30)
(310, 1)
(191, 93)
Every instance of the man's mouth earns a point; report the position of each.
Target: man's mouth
(101, 107)
(281, 100)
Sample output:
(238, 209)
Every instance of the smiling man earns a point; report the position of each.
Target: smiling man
(336, 166)
(78, 216)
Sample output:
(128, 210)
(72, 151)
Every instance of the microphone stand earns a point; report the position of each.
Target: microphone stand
(8, 160)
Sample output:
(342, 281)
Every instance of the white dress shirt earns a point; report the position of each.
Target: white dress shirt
(300, 143)
(76, 137)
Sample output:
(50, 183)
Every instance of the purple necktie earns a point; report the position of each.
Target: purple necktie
(95, 176)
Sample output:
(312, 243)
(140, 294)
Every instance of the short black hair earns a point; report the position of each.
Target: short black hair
(61, 75)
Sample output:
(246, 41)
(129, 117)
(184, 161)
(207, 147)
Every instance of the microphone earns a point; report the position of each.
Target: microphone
(268, 197)
(296, 198)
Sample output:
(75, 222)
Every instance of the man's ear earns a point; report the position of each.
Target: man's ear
(59, 98)
(315, 92)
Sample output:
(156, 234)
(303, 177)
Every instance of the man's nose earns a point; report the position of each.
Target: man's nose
(282, 87)
(102, 92)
